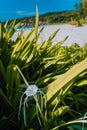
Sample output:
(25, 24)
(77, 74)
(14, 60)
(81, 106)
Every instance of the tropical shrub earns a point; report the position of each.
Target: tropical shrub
(53, 68)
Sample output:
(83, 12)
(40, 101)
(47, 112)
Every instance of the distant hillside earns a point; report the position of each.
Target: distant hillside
(52, 18)
(60, 17)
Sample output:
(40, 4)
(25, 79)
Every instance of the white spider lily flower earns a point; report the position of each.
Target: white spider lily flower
(32, 91)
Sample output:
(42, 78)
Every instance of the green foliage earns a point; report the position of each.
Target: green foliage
(84, 6)
(54, 18)
(59, 71)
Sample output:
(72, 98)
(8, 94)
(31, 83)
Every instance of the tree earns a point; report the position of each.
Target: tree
(78, 6)
(84, 6)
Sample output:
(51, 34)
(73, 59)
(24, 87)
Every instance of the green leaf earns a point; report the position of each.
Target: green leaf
(12, 79)
(1, 31)
(54, 88)
(10, 30)
(60, 111)
(77, 121)
(36, 23)
(2, 70)
(81, 83)
(4, 99)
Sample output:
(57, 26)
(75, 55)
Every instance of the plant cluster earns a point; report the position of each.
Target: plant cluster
(58, 72)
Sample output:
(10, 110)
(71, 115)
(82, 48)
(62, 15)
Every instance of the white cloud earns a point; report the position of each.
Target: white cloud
(21, 12)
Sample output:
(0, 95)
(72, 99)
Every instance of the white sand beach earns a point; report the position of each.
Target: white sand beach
(76, 34)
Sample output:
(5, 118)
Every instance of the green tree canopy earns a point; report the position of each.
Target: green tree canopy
(84, 6)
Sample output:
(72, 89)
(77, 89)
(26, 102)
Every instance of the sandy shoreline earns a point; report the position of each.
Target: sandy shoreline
(76, 34)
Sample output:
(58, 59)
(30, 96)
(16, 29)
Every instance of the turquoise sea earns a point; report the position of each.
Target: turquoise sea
(26, 28)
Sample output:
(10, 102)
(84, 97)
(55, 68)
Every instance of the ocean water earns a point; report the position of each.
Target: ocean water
(26, 28)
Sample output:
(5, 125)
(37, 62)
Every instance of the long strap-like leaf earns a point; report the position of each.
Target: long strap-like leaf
(4, 99)
(54, 88)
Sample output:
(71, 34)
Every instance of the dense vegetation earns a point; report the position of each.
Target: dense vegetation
(67, 16)
(60, 73)
(60, 17)
(54, 18)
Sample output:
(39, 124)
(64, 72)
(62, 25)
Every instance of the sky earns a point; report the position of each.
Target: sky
(13, 9)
